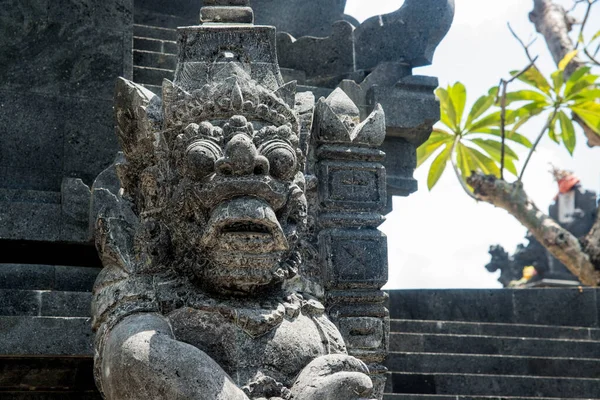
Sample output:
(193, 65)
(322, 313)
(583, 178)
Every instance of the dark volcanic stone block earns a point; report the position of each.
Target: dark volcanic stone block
(54, 395)
(39, 336)
(26, 276)
(83, 65)
(493, 385)
(89, 147)
(465, 344)
(19, 302)
(452, 305)
(154, 32)
(152, 76)
(57, 142)
(75, 279)
(30, 178)
(568, 307)
(40, 374)
(113, 14)
(488, 329)
(154, 59)
(66, 304)
(493, 365)
(30, 221)
(31, 127)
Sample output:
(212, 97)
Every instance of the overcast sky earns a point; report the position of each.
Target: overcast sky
(440, 239)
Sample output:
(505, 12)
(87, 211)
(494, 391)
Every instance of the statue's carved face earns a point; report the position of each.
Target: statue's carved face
(240, 202)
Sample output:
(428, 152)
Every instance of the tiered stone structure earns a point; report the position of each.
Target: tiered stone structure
(347, 163)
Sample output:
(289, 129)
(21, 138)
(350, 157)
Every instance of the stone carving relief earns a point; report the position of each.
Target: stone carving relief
(245, 221)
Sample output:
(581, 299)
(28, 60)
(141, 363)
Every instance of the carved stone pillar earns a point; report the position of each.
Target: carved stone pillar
(352, 194)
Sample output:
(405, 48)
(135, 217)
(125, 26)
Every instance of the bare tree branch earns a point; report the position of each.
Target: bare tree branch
(559, 241)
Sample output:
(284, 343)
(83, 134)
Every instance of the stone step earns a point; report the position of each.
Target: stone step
(53, 395)
(151, 76)
(159, 46)
(494, 365)
(494, 385)
(142, 58)
(399, 396)
(547, 306)
(44, 303)
(46, 374)
(492, 329)
(43, 222)
(47, 277)
(45, 336)
(154, 32)
(472, 344)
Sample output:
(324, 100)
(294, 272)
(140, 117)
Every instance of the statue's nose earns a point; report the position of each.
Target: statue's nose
(241, 158)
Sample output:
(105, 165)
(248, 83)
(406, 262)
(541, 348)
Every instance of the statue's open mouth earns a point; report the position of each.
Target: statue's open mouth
(244, 225)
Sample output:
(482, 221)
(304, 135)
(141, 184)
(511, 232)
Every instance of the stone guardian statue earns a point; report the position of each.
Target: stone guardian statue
(213, 281)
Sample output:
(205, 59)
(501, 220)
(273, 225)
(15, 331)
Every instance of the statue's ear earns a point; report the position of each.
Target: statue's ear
(135, 114)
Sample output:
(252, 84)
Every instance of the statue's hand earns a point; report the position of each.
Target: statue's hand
(333, 377)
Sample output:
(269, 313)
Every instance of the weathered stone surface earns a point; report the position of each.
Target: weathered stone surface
(319, 58)
(45, 374)
(209, 246)
(409, 35)
(19, 302)
(47, 277)
(58, 60)
(39, 336)
(75, 204)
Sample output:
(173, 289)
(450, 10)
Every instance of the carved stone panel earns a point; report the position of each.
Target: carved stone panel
(354, 258)
(353, 186)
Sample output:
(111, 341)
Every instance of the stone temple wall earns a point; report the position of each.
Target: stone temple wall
(58, 63)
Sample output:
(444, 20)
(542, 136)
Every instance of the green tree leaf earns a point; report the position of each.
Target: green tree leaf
(575, 76)
(558, 80)
(493, 148)
(448, 111)
(534, 77)
(462, 161)
(589, 112)
(437, 139)
(567, 131)
(458, 95)
(586, 81)
(562, 65)
(509, 135)
(526, 95)
(479, 108)
(484, 163)
(485, 122)
(438, 166)
(589, 94)
(552, 129)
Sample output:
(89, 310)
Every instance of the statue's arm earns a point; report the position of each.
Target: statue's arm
(141, 359)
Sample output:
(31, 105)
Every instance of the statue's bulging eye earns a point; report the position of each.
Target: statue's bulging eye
(282, 159)
(201, 157)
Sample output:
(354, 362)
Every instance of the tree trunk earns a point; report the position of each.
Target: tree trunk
(554, 23)
(559, 241)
